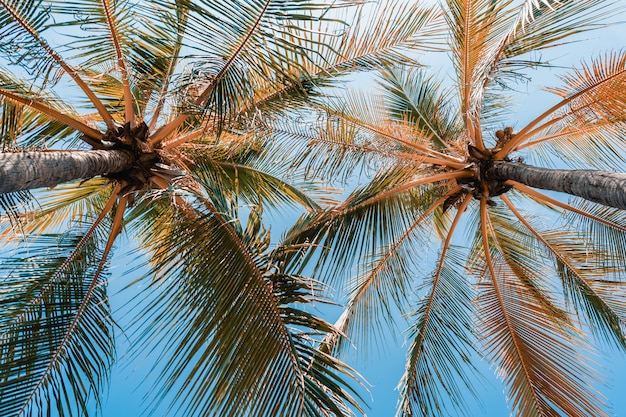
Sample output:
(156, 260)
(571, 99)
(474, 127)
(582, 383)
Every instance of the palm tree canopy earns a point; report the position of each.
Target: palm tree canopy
(188, 90)
(448, 170)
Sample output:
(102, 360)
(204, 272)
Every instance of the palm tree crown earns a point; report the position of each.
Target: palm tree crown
(529, 298)
(152, 118)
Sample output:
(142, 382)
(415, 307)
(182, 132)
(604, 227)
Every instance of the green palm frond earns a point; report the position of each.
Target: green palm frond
(441, 345)
(59, 207)
(23, 41)
(414, 97)
(474, 24)
(544, 24)
(382, 211)
(253, 183)
(56, 343)
(276, 369)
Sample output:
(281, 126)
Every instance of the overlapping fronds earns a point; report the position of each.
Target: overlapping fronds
(231, 303)
(593, 94)
(539, 24)
(543, 378)
(606, 228)
(381, 211)
(578, 270)
(263, 184)
(23, 42)
(58, 208)
(414, 97)
(56, 343)
(474, 25)
(438, 356)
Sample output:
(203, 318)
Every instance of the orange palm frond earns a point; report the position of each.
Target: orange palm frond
(538, 360)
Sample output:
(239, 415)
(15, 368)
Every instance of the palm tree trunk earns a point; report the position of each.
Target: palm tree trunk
(28, 170)
(607, 188)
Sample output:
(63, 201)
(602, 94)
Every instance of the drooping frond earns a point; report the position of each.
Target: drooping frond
(254, 183)
(379, 35)
(63, 205)
(51, 110)
(603, 226)
(56, 342)
(229, 303)
(437, 360)
(540, 24)
(517, 247)
(542, 378)
(242, 40)
(383, 287)
(381, 211)
(579, 272)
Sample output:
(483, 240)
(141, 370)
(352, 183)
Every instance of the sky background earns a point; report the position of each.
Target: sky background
(383, 368)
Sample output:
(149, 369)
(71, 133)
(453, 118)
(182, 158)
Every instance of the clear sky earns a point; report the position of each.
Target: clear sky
(384, 369)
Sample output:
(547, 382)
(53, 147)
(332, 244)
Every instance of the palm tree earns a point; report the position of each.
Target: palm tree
(153, 120)
(532, 299)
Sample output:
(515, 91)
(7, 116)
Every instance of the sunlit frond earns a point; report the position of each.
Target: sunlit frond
(578, 270)
(474, 24)
(540, 24)
(542, 378)
(59, 207)
(438, 357)
(414, 97)
(593, 93)
(383, 286)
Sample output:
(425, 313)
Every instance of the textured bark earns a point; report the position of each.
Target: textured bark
(607, 188)
(28, 170)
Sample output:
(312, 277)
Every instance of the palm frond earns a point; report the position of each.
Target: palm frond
(382, 288)
(412, 96)
(474, 25)
(382, 210)
(542, 378)
(23, 25)
(254, 183)
(439, 353)
(274, 369)
(56, 342)
(56, 208)
(594, 92)
(578, 271)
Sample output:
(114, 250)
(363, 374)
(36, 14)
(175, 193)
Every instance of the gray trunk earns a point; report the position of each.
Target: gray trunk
(28, 170)
(607, 188)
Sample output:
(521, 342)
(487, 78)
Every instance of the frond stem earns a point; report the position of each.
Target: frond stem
(128, 97)
(55, 114)
(442, 256)
(64, 65)
(166, 130)
(330, 340)
(115, 228)
(529, 129)
(536, 194)
(484, 226)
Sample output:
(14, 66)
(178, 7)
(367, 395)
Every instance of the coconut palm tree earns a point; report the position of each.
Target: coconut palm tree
(151, 118)
(451, 172)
